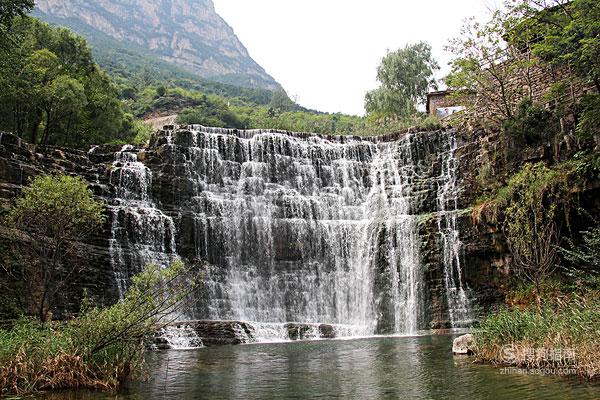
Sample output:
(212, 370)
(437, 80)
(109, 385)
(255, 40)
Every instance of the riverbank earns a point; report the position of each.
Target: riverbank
(562, 336)
(101, 348)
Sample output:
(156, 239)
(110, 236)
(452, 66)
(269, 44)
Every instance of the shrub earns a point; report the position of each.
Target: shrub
(53, 214)
(589, 119)
(531, 123)
(582, 261)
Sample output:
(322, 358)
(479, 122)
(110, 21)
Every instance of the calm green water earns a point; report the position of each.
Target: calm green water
(374, 368)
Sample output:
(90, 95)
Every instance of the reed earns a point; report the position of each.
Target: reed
(562, 334)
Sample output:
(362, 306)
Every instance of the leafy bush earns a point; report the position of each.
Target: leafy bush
(53, 214)
(532, 122)
(589, 119)
(528, 209)
(582, 261)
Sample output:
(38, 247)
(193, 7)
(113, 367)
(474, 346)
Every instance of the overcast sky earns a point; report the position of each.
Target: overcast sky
(325, 52)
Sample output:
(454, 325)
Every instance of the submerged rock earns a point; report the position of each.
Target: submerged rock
(464, 345)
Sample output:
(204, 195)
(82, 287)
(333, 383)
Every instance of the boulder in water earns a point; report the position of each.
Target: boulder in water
(464, 345)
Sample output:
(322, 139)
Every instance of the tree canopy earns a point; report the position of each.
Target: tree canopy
(53, 213)
(405, 76)
(54, 92)
(9, 10)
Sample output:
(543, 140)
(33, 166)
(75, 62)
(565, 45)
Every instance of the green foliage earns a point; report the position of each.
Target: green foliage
(53, 213)
(528, 209)
(9, 10)
(100, 348)
(578, 320)
(54, 93)
(57, 206)
(531, 123)
(210, 111)
(120, 331)
(589, 118)
(567, 34)
(405, 76)
(480, 70)
(582, 261)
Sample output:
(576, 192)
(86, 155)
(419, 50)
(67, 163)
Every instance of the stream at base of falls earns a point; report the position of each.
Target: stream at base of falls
(417, 367)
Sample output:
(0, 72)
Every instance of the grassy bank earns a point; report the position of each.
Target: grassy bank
(562, 334)
(99, 349)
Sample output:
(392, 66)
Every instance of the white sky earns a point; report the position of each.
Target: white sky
(325, 52)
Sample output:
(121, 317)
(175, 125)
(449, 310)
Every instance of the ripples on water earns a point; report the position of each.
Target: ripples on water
(372, 368)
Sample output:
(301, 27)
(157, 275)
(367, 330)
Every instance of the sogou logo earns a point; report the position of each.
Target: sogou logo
(508, 353)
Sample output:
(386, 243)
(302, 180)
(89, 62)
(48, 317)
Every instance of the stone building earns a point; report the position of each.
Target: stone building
(443, 103)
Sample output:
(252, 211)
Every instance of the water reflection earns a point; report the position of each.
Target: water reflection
(372, 368)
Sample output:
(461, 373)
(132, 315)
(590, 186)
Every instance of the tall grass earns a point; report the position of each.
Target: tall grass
(36, 356)
(571, 324)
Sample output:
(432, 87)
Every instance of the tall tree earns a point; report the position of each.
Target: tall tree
(405, 76)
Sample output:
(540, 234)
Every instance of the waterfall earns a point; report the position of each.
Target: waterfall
(304, 228)
(459, 307)
(140, 232)
(295, 228)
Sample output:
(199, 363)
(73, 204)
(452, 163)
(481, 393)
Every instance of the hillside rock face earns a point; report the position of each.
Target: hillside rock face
(188, 33)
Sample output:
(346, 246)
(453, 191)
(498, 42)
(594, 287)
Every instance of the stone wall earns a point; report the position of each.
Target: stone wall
(520, 76)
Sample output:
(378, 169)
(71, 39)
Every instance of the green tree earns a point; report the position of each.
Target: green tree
(9, 10)
(64, 100)
(212, 111)
(405, 77)
(53, 215)
(54, 93)
(161, 91)
(485, 66)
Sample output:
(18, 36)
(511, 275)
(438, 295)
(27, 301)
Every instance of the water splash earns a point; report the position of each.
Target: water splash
(180, 337)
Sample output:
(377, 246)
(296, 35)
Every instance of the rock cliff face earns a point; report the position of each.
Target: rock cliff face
(188, 33)
(368, 235)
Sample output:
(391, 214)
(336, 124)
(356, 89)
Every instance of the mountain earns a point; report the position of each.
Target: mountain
(187, 33)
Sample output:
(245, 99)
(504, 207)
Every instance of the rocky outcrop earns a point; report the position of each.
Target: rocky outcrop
(188, 33)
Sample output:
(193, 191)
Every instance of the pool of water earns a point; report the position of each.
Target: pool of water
(419, 367)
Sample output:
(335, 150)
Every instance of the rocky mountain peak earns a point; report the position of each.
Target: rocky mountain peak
(188, 33)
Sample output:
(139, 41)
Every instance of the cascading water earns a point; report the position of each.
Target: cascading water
(180, 337)
(140, 232)
(304, 229)
(294, 227)
(459, 307)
